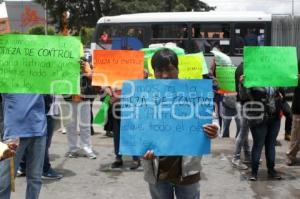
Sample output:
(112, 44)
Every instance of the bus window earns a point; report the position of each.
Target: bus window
(135, 37)
(248, 35)
(176, 33)
(107, 35)
(207, 36)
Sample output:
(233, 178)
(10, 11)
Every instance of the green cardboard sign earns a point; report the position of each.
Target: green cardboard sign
(102, 113)
(39, 64)
(270, 66)
(226, 78)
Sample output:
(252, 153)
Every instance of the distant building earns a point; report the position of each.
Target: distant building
(20, 16)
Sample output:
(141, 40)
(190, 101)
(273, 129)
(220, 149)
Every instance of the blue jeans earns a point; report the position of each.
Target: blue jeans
(264, 134)
(242, 138)
(227, 114)
(47, 164)
(1, 120)
(34, 149)
(165, 190)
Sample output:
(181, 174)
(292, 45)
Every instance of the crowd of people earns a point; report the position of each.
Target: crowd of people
(28, 118)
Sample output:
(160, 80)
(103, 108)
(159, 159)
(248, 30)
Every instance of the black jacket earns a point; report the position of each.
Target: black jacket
(296, 100)
(238, 73)
(87, 91)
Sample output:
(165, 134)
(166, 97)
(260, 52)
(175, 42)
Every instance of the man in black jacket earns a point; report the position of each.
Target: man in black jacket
(295, 138)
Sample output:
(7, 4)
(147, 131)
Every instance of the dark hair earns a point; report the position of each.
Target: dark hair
(164, 58)
(83, 59)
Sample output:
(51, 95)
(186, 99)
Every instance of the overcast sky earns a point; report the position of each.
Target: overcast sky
(270, 6)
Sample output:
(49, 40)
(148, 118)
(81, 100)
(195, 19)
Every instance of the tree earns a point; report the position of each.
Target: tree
(86, 35)
(87, 12)
(40, 30)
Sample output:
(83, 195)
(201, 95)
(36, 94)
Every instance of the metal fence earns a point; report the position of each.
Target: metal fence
(286, 31)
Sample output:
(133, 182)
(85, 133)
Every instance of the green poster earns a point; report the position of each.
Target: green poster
(270, 66)
(102, 113)
(226, 78)
(39, 64)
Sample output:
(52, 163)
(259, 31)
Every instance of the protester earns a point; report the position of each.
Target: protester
(116, 122)
(229, 111)
(48, 171)
(287, 112)
(80, 106)
(24, 118)
(295, 138)
(177, 174)
(225, 102)
(263, 116)
(242, 137)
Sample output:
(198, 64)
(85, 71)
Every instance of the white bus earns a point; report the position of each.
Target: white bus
(193, 31)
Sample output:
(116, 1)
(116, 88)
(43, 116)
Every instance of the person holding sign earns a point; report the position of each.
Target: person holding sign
(295, 138)
(24, 118)
(80, 105)
(176, 174)
(262, 112)
(116, 124)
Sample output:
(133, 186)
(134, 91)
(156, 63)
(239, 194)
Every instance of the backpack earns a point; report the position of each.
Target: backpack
(229, 100)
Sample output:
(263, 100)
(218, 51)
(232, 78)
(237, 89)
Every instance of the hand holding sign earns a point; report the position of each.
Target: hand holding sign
(166, 116)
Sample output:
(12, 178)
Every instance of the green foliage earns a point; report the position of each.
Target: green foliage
(40, 30)
(85, 13)
(15, 32)
(86, 35)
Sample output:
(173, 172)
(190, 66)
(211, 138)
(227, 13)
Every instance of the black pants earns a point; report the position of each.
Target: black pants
(264, 134)
(287, 112)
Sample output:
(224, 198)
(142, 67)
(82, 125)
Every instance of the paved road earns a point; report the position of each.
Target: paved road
(93, 179)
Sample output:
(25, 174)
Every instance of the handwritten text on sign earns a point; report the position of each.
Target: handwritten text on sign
(166, 116)
(112, 67)
(270, 66)
(39, 64)
(226, 78)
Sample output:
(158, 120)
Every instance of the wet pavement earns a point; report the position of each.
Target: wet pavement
(94, 179)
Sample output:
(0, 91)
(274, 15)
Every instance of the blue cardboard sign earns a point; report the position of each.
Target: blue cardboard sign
(165, 116)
